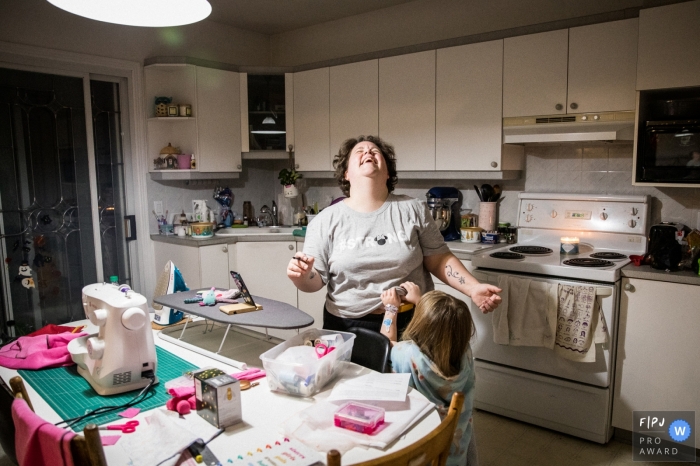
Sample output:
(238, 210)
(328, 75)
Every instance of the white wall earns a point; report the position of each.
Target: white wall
(424, 21)
(38, 23)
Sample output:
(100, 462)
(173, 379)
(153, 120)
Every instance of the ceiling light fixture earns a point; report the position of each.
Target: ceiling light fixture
(145, 13)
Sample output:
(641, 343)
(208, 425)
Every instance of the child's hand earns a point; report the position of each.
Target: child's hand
(391, 297)
(413, 293)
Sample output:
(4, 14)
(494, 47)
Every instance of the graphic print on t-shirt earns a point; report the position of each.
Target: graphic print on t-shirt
(400, 237)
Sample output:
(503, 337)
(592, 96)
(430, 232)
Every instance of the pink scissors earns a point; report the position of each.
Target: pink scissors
(127, 428)
(322, 350)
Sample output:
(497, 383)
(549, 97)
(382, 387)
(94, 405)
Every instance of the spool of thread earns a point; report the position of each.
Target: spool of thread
(308, 342)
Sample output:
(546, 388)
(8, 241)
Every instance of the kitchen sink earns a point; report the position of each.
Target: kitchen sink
(281, 230)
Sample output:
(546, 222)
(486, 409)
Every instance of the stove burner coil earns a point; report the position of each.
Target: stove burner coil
(588, 262)
(531, 250)
(507, 255)
(608, 255)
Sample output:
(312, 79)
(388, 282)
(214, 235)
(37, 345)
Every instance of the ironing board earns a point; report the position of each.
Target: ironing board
(274, 314)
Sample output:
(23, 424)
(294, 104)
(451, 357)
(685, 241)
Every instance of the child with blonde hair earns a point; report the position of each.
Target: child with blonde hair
(435, 350)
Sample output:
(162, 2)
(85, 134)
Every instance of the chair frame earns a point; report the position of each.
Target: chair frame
(434, 448)
(360, 333)
(86, 449)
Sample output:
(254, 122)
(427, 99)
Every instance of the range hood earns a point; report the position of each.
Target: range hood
(606, 126)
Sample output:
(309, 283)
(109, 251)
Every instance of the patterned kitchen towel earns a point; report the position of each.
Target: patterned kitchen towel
(527, 315)
(580, 323)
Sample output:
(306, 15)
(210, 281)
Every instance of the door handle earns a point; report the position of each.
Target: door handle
(130, 227)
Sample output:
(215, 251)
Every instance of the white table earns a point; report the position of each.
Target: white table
(263, 413)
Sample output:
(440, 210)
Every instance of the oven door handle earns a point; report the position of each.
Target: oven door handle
(602, 291)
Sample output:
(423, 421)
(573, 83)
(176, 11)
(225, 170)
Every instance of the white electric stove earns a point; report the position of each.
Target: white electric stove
(534, 384)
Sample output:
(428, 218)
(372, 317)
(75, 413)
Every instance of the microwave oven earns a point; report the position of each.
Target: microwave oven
(668, 137)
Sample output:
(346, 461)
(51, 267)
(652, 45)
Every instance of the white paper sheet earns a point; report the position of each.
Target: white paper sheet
(375, 386)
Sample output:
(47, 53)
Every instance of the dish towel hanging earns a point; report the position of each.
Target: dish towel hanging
(580, 324)
(527, 315)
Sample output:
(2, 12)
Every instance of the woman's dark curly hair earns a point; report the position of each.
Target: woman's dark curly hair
(340, 161)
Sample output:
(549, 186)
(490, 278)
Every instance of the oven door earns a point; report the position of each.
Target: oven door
(542, 360)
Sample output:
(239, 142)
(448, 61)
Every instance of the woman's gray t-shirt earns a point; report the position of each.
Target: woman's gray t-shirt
(359, 255)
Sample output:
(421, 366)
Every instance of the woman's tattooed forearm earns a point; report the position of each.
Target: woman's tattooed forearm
(451, 273)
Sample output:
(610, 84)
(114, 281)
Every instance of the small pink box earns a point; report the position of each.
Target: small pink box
(359, 417)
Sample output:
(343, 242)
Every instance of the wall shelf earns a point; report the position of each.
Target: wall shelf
(174, 175)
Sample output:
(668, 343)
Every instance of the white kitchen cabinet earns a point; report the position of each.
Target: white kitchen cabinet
(578, 70)
(312, 120)
(206, 266)
(534, 74)
(212, 133)
(312, 303)
(603, 67)
(263, 266)
(468, 115)
(669, 46)
(354, 102)
(657, 352)
(407, 108)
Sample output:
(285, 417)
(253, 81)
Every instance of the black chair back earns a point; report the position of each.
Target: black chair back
(371, 349)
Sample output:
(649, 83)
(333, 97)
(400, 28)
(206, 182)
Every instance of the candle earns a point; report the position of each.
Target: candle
(569, 245)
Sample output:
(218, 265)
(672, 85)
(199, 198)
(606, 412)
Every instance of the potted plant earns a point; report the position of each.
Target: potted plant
(288, 178)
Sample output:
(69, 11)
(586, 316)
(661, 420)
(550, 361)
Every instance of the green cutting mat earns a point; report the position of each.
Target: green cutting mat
(70, 395)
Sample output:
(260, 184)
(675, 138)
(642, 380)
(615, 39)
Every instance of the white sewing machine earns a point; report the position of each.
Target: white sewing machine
(122, 355)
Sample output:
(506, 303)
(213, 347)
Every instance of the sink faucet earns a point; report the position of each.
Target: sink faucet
(275, 217)
(265, 210)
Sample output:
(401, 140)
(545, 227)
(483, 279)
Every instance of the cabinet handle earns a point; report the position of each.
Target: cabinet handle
(558, 106)
(238, 166)
(629, 287)
(224, 248)
(494, 164)
(291, 247)
(573, 105)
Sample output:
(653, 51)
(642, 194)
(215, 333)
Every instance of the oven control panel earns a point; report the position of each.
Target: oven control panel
(604, 215)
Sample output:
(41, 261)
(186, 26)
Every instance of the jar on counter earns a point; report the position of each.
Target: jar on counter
(502, 230)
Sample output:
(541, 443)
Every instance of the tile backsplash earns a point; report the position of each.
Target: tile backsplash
(571, 167)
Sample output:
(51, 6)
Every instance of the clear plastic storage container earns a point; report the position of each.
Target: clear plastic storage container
(309, 378)
(359, 417)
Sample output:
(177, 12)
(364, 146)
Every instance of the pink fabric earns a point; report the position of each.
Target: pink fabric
(250, 374)
(38, 352)
(38, 442)
(181, 391)
(130, 412)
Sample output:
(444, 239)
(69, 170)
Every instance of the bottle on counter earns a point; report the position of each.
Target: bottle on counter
(193, 162)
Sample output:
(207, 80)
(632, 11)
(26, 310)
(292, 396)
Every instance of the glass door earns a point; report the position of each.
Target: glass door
(52, 179)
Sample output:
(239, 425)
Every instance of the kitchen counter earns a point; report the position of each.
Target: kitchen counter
(463, 251)
(645, 272)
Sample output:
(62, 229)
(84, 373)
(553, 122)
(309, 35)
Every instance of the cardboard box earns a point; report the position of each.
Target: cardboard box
(218, 397)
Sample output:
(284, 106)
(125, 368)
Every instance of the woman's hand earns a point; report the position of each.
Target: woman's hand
(485, 296)
(391, 297)
(413, 293)
(301, 266)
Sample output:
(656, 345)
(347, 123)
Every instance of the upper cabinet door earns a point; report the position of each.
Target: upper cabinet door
(354, 101)
(534, 74)
(312, 120)
(468, 106)
(218, 120)
(603, 67)
(669, 46)
(407, 108)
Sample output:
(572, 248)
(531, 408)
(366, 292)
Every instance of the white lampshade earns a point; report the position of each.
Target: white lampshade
(147, 13)
(268, 121)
